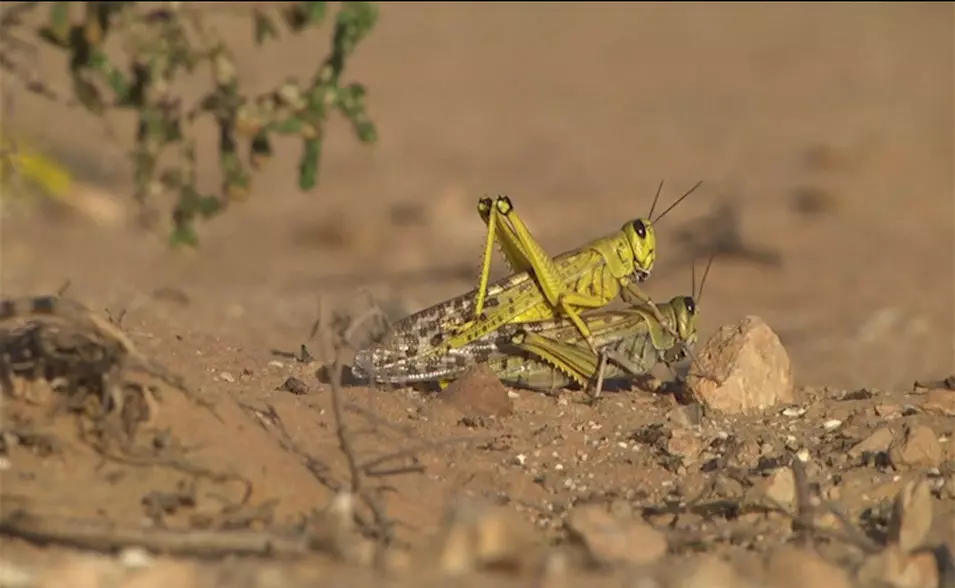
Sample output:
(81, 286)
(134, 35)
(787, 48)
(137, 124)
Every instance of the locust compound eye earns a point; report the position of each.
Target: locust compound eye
(640, 228)
(690, 304)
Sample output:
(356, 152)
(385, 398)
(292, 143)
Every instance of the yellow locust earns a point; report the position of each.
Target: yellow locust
(550, 354)
(589, 277)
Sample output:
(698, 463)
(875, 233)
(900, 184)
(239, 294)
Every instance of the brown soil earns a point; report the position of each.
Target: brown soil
(826, 129)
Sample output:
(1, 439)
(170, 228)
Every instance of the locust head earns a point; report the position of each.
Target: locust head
(642, 241)
(680, 313)
(685, 311)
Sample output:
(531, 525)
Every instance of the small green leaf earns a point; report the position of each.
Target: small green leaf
(260, 151)
(308, 164)
(304, 14)
(58, 27)
(293, 125)
(87, 94)
(209, 206)
(265, 29)
(184, 235)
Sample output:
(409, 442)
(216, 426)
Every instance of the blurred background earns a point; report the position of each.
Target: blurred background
(823, 135)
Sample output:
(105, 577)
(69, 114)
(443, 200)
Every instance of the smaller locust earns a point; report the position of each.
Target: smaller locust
(549, 355)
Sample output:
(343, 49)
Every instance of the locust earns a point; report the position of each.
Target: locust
(550, 354)
(542, 287)
(631, 341)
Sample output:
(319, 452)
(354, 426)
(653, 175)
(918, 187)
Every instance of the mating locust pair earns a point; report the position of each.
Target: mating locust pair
(545, 326)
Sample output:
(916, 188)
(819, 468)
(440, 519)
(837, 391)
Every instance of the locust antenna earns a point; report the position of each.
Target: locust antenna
(706, 272)
(656, 198)
(678, 200)
(693, 279)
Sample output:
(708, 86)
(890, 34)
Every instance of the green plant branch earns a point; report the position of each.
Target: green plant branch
(162, 43)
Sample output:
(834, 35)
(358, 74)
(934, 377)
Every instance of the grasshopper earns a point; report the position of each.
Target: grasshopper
(589, 277)
(549, 355)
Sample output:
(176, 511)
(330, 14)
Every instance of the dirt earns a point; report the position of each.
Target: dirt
(823, 134)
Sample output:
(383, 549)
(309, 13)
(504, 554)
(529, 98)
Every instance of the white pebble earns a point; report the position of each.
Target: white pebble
(794, 411)
(803, 455)
(135, 558)
(831, 424)
(227, 377)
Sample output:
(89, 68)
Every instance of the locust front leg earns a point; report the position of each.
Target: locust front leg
(642, 299)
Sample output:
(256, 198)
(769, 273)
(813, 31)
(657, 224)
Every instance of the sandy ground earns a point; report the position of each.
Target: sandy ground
(826, 129)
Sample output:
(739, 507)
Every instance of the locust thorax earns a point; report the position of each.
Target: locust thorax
(642, 241)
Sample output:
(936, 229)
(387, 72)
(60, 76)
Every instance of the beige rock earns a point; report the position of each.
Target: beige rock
(163, 575)
(940, 401)
(479, 393)
(82, 572)
(686, 444)
(893, 567)
(917, 447)
(476, 536)
(613, 541)
(912, 515)
(708, 572)
(878, 441)
(751, 366)
(792, 567)
(781, 488)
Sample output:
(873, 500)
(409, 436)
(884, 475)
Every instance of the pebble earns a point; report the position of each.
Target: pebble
(832, 424)
(940, 401)
(917, 447)
(780, 487)
(792, 567)
(877, 442)
(684, 443)
(610, 540)
(479, 393)
(751, 365)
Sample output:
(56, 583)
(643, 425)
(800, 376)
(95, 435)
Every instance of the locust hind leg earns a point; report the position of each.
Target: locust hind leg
(506, 237)
(574, 361)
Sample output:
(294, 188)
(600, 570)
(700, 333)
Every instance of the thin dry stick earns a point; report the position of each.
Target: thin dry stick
(383, 525)
(92, 535)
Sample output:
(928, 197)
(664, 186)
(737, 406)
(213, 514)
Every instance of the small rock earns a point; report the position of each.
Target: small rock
(893, 567)
(751, 366)
(476, 536)
(888, 411)
(709, 572)
(792, 567)
(135, 558)
(227, 377)
(912, 515)
(940, 401)
(611, 541)
(293, 385)
(478, 393)
(832, 424)
(781, 488)
(81, 572)
(684, 443)
(918, 447)
(877, 442)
